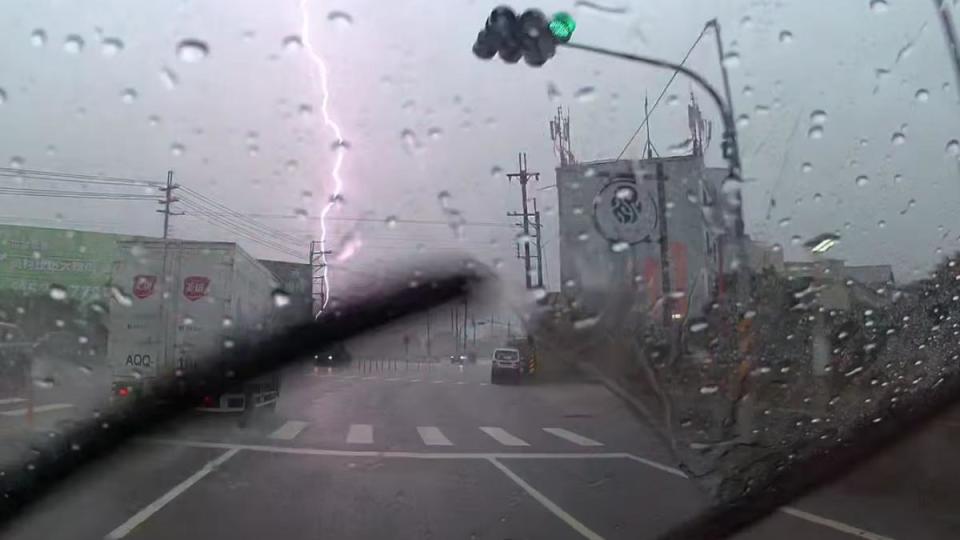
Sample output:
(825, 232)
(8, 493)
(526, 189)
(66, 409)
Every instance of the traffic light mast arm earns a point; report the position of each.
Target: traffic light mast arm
(729, 126)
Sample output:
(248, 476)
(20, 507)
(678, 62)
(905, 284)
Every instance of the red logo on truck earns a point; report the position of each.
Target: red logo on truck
(195, 287)
(143, 286)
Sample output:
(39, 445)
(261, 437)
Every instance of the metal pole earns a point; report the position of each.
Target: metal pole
(536, 225)
(168, 192)
(464, 323)
(428, 334)
(665, 284)
(526, 221)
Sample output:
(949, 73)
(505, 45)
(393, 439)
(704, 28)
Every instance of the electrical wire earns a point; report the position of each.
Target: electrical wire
(239, 229)
(101, 195)
(203, 199)
(646, 118)
(73, 177)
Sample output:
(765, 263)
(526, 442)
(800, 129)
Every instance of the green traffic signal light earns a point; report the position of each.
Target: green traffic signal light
(562, 26)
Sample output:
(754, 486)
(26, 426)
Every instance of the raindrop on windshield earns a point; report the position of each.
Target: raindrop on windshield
(898, 138)
(120, 297)
(128, 96)
(922, 95)
(111, 47)
(44, 382)
(38, 38)
(340, 18)
(784, 222)
(58, 292)
(177, 149)
(292, 43)
(16, 162)
(862, 180)
(953, 147)
(807, 167)
(553, 92)
(434, 133)
(881, 224)
(391, 222)
(585, 94)
(731, 60)
(496, 171)
(816, 132)
(786, 36)
(747, 91)
(280, 298)
(619, 247)
(410, 142)
(73, 44)
(192, 50)
(878, 6)
(672, 99)
(818, 117)
(743, 121)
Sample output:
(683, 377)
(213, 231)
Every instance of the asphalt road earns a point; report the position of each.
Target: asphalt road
(379, 450)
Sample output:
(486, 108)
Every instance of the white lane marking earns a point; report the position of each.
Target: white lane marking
(39, 409)
(484, 384)
(388, 454)
(360, 434)
(572, 437)
(414, 380)
(438, 382)
(432, 436)
(165, 499)
(832, 524)
(392, 379)
(799, 514)
(10, 401)
(461, 382)
(289, 430)
(502, 437)
(350, 376)
(368, 378)
(547, 503)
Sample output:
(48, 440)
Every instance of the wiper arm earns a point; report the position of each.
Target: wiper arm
(47, 462)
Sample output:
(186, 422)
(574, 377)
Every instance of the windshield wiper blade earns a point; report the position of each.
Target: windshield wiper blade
(49, 458)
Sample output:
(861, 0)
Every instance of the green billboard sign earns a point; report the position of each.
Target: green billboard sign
(34, 259)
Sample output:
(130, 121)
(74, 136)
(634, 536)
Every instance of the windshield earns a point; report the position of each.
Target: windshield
(716, 241)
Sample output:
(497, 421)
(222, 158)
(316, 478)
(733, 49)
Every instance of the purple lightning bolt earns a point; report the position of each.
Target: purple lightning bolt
(339, 144)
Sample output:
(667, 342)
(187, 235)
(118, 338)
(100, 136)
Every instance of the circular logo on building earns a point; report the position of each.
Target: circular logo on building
(624, 213)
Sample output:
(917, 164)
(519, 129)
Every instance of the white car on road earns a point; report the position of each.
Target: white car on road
(505, 362)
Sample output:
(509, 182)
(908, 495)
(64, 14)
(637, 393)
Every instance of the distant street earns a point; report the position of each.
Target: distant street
(385, 450)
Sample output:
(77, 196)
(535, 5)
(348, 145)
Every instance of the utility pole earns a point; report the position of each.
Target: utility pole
(318, 264)
(536, 225)
(473, 320)
(523, 176)
(665, 282)
(167, 200)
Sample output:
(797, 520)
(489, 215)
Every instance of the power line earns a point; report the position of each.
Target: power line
(233, 228)
(102, 195)
(203, 199)
(646, 118)
(73, 177)
(381, 220)
(199, 210)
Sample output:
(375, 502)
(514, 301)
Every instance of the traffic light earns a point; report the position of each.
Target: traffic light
(531, 35)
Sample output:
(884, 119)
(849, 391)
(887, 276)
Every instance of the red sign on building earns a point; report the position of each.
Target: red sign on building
(195, 287)
(143, 286)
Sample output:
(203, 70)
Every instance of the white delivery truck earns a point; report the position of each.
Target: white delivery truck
(176, 304)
